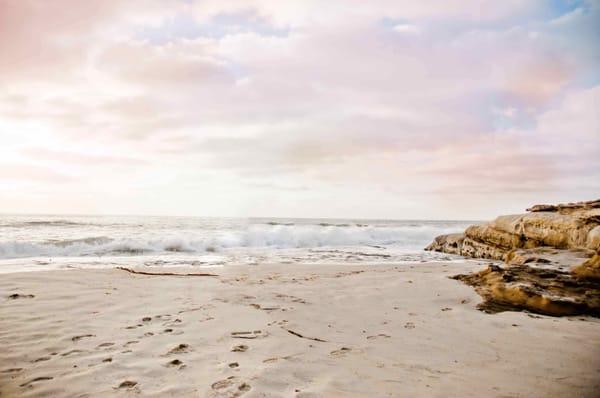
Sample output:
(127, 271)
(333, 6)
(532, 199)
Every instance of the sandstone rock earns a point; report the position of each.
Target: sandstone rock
(571, 226)
(477, 249)
(543, 208)
(462, 245)
(541, 290)
(552, 257)
(490, 234)
(590, 269)
(447, 243)
(541, 229)
(548, 257)
(593, 239)
(567, 208)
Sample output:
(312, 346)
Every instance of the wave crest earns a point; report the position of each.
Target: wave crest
(279, 236)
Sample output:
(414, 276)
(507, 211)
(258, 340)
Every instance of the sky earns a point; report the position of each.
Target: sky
(398, 109)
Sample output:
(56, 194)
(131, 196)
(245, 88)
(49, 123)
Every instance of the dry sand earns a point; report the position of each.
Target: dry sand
(379, 331)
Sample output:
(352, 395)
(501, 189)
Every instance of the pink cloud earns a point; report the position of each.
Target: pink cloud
(340, 99)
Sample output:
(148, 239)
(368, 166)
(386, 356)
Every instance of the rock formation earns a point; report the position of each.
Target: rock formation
(551, 255)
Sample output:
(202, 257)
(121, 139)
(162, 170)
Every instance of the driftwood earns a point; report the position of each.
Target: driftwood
(303, 337)
(161, 273)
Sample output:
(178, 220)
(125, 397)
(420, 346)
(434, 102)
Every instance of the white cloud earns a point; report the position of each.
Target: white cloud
(407, 29)
(398, 99)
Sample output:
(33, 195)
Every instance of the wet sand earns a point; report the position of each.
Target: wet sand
(282, 330)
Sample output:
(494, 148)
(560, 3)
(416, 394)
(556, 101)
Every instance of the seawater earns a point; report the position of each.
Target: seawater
(36, 243)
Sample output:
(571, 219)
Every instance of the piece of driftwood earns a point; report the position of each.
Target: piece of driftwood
(162, 273)
(304, 337)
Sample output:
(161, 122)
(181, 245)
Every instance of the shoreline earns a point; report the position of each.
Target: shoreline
(82, 266)
(308, 331)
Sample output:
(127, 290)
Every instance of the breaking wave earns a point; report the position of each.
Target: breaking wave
(280, 236)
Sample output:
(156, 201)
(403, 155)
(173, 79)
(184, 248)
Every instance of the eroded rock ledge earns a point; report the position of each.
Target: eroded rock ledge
(551, 259)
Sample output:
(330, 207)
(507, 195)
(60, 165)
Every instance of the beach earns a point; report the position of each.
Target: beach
(294, 330)
(299, 199)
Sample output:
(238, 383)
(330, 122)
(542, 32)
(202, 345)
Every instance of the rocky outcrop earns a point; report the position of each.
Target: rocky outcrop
(569, 226)
(551, 255)
(590, 269)
(451, 243)
(544, 291)
(567, 208)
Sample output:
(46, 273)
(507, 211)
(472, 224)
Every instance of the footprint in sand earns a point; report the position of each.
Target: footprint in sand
(234, 365)
(32, 381)
(65, 354)
(221, 384)
(244, 387)
(274, 308)
(378, 336)
(127, 384)
(180, 349)
(173, 322)
(77, 338)
(259, 307)
(11, 370)
(256, 334)
(175, 363)
(139, 325)
(293, 299)
(41, 359)
(230, 386)
(240, 348)
(275, 359)
(171, 330)
(341, 352)
(202, 307)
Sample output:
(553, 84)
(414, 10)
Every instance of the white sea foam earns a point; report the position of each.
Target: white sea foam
(170, 240)
(255, 236)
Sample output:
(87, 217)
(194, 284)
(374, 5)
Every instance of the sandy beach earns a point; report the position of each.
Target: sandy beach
(283, 330)
(383, 199)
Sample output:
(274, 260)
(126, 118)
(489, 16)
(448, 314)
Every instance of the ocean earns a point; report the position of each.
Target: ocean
(49, 242)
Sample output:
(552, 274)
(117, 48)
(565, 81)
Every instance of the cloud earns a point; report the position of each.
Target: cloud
(29, 173)
(421, 98)
(79, 159)
(407, 29)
